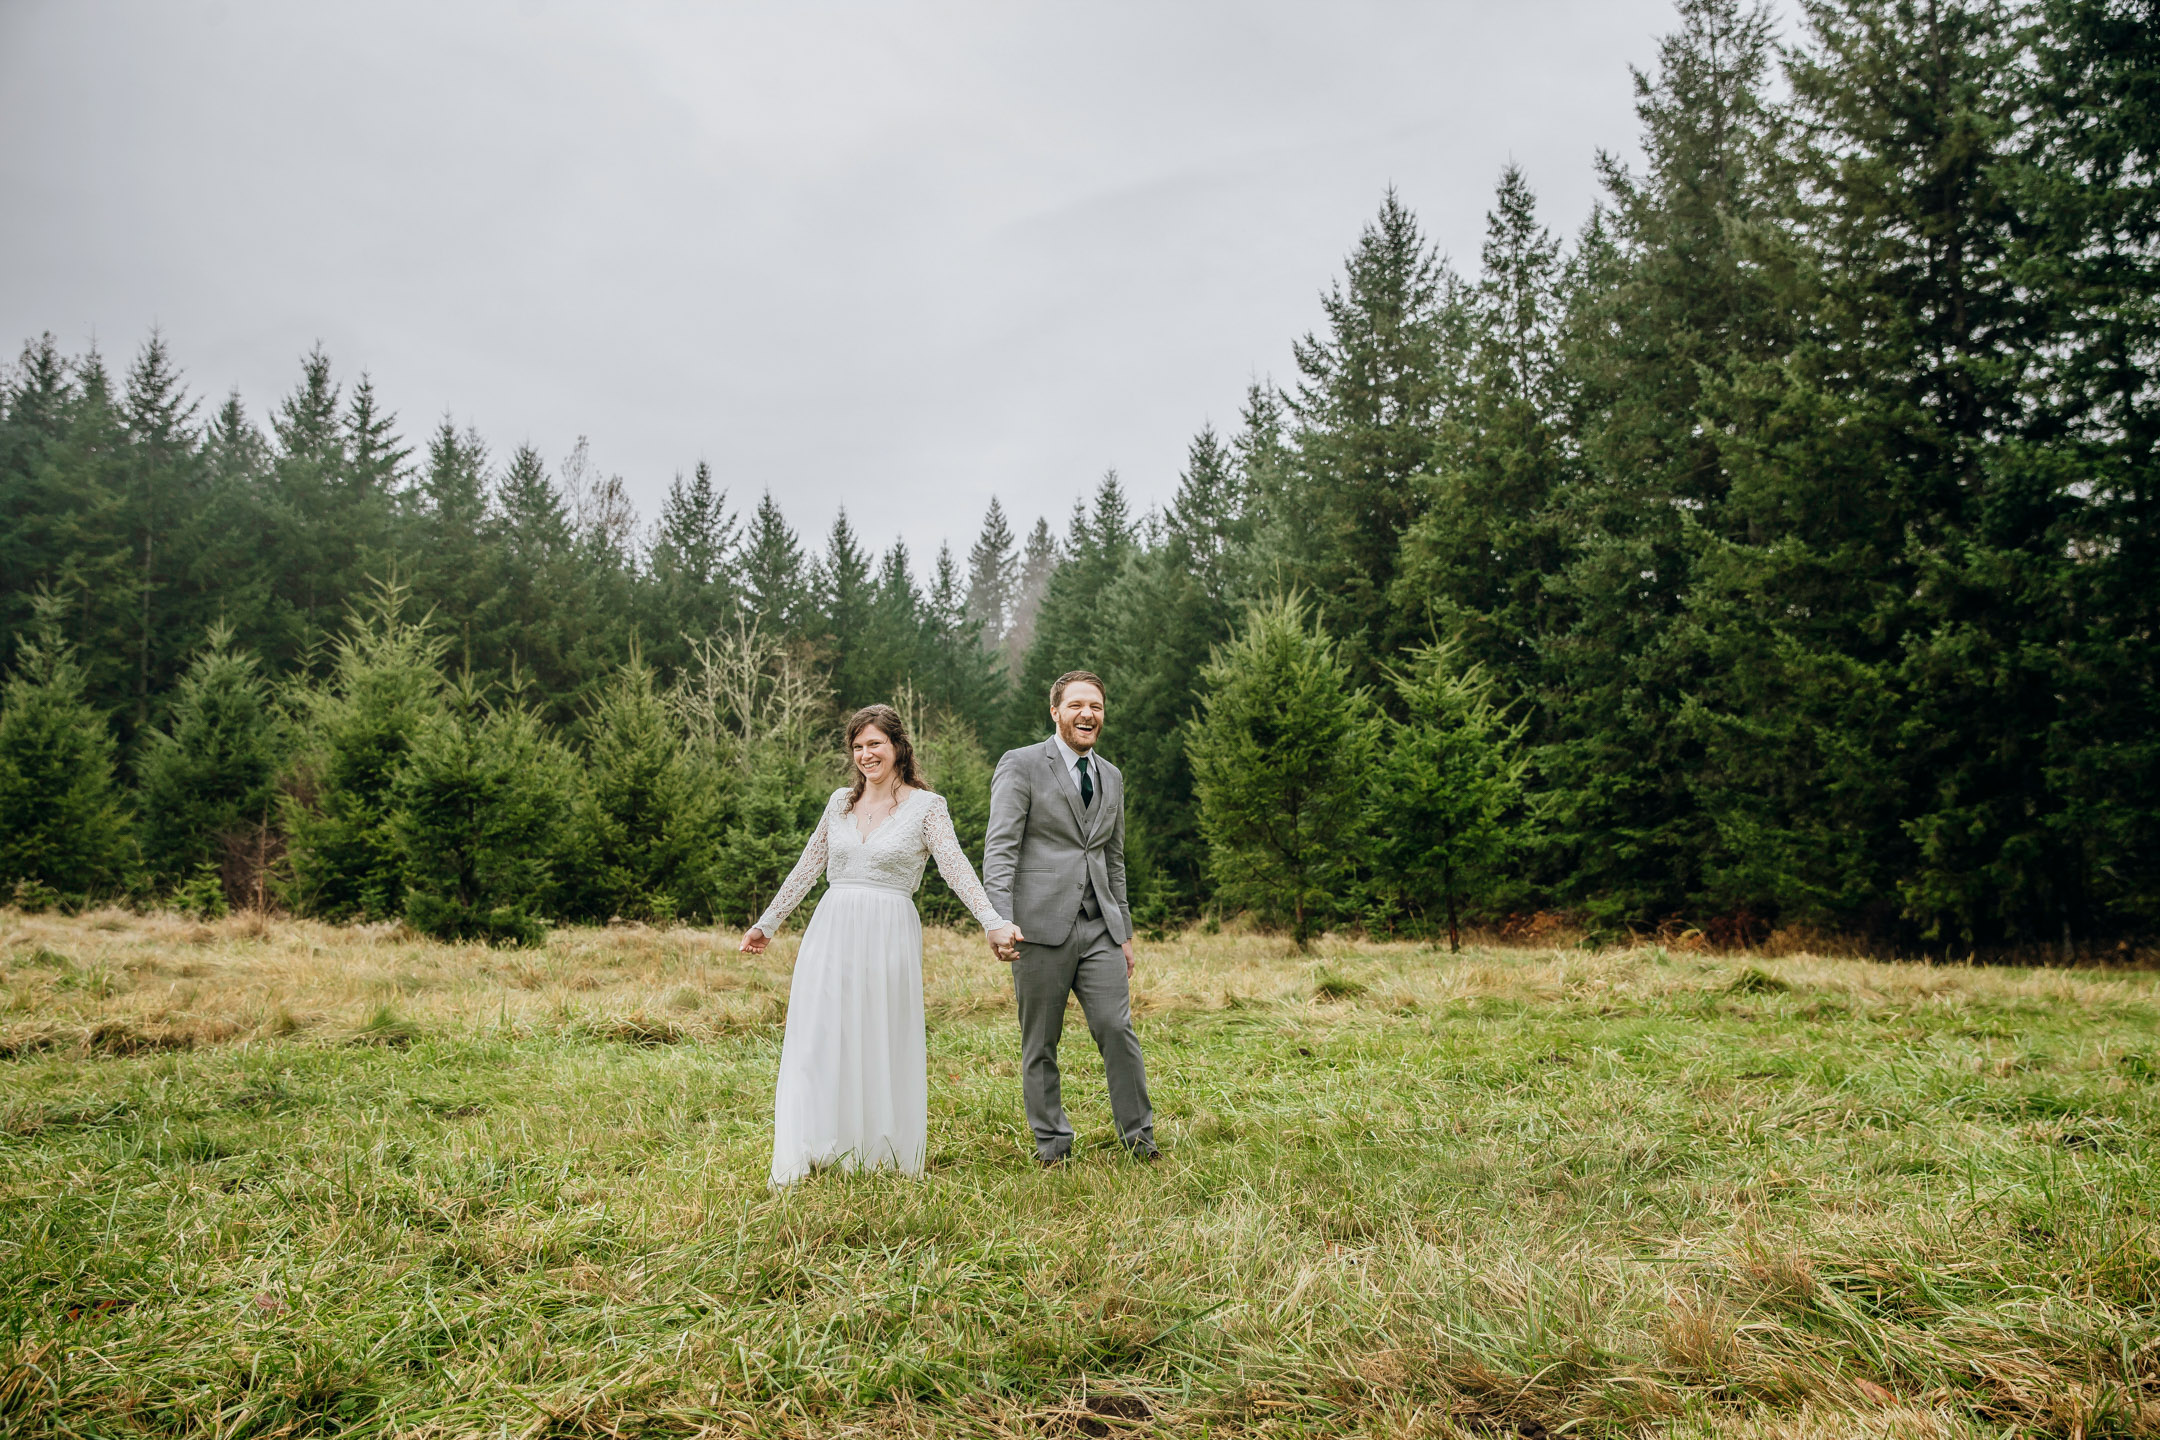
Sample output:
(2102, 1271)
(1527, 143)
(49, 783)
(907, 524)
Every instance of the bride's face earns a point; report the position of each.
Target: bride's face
(873, 754)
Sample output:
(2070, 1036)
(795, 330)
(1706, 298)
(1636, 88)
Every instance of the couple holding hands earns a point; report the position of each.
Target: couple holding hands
(854, 1067)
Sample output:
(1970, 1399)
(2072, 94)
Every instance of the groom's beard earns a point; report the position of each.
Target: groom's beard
(1084, 744)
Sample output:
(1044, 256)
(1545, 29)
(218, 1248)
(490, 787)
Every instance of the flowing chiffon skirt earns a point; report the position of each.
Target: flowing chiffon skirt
(854, 1068)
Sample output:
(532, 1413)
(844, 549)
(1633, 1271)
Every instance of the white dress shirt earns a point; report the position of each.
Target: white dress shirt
(1072, 763)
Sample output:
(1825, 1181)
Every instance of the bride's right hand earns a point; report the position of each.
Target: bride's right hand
(754, 941)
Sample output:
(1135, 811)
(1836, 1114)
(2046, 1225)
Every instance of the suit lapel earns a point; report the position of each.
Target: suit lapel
(1055, 759)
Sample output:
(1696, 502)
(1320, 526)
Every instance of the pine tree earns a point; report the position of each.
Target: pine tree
(1069, 630)
(993, 576)
(845, 591)
(1281, 752)
(1038, 562)
(1159, 621)
(232, 559)
(1669, 313)
(37, 495)
(453, 573)
(1368, 408)
(1846, 607)
(1445, 795)
(314, 553)
(482, 803)
(540, 612)
(374, 457)
(1477, 562)
(83, 543)
(63, 832)
(896, 646)
(208, 780)
(164, 494)
(952, 670)
(692, 569)
(385, 686)
(2088, 222)
(649, 823)
(776, 579)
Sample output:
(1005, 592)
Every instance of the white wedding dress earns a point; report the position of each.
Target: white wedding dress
(854, 1068)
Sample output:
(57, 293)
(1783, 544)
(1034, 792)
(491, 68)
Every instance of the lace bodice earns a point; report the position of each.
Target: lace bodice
(892, 858)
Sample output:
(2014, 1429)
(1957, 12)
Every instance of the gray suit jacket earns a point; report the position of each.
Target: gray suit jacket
(1044, 850)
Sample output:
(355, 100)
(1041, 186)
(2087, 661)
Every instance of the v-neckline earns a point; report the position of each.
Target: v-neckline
(855, 821)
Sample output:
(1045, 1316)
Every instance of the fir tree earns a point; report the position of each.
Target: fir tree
(385, 686)
(1281, 752)
(958, 673)
(208, 779)
(993, 581)
(845, 590)
(896, 646)
(1477, 562)
(313, 548)
(375, 459)
(1446, 792)
(453, 575)
(540, 610)
(648, 825)
(1069, 630)
(1160, 620)
(1669, 314)
(1374, 389)
(2089, 213)
(482, 802)
(164, 492)
(63, 831)
(692, 567)
(1039, 560)
(776, 579)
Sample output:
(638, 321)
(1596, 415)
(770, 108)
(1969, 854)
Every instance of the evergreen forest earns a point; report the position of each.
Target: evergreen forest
(1779, 549)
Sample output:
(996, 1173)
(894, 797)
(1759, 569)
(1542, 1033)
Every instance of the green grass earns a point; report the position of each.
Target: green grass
(266, 1178)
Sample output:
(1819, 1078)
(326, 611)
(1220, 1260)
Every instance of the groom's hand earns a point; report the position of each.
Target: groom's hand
(1127, 948)
(1005, 943)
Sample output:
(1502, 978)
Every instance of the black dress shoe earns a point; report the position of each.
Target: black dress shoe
(1051, 1162)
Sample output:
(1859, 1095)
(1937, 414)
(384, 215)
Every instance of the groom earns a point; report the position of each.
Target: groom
(1055, 862)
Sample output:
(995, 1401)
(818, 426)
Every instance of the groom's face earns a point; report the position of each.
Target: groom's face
(1078, 714)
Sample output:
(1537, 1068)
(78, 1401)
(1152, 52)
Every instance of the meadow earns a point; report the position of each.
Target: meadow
(262, 1177)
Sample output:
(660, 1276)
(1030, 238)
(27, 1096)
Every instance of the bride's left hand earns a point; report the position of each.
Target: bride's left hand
(754, 941)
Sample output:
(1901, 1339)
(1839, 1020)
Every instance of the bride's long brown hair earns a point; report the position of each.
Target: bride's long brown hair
(888, 721)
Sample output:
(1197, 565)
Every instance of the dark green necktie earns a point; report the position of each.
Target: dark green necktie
(1087, 783)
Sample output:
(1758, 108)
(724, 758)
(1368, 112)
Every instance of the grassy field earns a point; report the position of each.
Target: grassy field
(273, 1178)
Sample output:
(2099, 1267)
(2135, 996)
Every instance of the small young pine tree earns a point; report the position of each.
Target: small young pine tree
(482, 799)
(776, 808)
(1281, 753)
(649, 821)
(63, 832)
(386, 686)
(1449, 782)
(210, 777)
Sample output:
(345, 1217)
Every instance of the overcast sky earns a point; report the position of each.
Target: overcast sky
(894, 256)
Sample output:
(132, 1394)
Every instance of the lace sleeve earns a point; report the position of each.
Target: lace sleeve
(952, 863)
(799, 880)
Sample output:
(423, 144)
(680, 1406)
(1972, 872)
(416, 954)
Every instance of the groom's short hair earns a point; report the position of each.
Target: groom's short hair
(1071, 677)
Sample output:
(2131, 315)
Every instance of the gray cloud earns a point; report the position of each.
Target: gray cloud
(893, 256)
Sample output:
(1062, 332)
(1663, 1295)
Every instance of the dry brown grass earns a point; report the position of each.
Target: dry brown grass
(1407, 1193)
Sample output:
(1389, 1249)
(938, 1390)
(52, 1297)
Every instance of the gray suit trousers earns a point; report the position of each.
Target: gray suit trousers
(1090, 965)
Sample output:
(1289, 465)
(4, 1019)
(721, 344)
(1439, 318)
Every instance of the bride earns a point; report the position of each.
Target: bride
(854, 1068)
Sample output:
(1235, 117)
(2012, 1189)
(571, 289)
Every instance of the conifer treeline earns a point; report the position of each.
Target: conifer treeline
(1799, 513)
